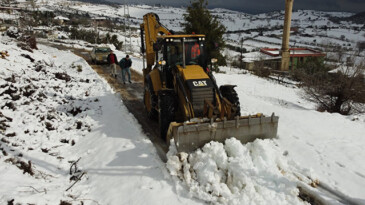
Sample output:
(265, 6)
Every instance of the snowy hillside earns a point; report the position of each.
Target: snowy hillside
(314, 28)
(55, 110)
(241, 25)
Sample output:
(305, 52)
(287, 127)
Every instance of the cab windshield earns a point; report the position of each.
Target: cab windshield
(193, 52)
(102, 50)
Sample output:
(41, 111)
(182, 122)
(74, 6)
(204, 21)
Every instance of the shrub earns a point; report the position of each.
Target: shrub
(361, 46)
(338, 92)
(79, 68)
(261, 70)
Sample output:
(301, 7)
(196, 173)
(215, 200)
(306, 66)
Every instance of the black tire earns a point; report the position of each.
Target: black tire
(228, 92)
(150, 102)
(167, 107)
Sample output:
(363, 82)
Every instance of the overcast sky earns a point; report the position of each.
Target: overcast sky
(258, 6)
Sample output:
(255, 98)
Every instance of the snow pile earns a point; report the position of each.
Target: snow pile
(232, 173)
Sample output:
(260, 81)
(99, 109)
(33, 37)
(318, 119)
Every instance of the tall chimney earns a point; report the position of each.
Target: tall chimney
(285, 53)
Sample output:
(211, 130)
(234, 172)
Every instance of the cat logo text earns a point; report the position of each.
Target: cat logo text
(200, 83)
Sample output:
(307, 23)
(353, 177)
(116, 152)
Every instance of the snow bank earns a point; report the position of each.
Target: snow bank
(233, 173)
(47, 98)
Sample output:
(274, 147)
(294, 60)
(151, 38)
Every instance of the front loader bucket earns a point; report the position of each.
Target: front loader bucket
(190, 136)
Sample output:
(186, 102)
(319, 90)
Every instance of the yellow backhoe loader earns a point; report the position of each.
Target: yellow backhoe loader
(182, 94)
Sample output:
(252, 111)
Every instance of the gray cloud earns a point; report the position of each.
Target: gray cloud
(257, 6)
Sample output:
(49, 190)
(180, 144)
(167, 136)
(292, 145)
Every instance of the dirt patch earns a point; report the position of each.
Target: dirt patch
(10, 90)
(78, 125)
(26, 167)
(49, 126)
(45, 150)
(13, 134)
(11, 79)
(28, 57)
(75, 111)
(63, 76)
(65, 203)
(10, 105)
(64, 141)
(4, 140)
(28, 90)
(11, 202)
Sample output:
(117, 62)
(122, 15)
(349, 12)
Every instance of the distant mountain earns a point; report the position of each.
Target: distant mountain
(358, 18)
(97, 2)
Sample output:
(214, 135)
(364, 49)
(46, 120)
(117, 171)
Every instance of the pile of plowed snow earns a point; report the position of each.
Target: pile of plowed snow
(233, 173)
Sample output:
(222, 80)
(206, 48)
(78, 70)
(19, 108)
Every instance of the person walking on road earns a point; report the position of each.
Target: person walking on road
(112, 60)
(126, 64)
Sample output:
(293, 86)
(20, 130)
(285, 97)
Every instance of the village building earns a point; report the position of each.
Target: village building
(271, 57)
(61, 20)
(99, 21)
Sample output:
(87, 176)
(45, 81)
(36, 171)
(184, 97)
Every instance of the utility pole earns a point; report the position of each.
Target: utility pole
(124, 26)
(128, 30)
(285, 53)
(241, 51)
(130, 33)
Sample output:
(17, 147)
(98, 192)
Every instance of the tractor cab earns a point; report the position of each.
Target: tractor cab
(180, 54)
(181, 50)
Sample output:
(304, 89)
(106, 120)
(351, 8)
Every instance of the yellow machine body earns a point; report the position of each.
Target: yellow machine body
(184, 96)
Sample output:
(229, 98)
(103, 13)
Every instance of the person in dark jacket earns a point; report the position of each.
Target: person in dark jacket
(112, 60)
(125, 64)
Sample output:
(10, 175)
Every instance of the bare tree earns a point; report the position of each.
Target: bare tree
(361, 45)
(260, 69)
(241, 52)
(341, 91)
(109, 24)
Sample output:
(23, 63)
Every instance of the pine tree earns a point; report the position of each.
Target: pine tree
(200, 21)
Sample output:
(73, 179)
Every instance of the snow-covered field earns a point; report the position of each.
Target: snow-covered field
(308, 21)
(330, 144)
(311, 24)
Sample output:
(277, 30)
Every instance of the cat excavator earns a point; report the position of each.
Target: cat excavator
(182, 94)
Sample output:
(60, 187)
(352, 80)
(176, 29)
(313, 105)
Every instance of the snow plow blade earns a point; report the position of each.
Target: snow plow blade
(190, 136)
